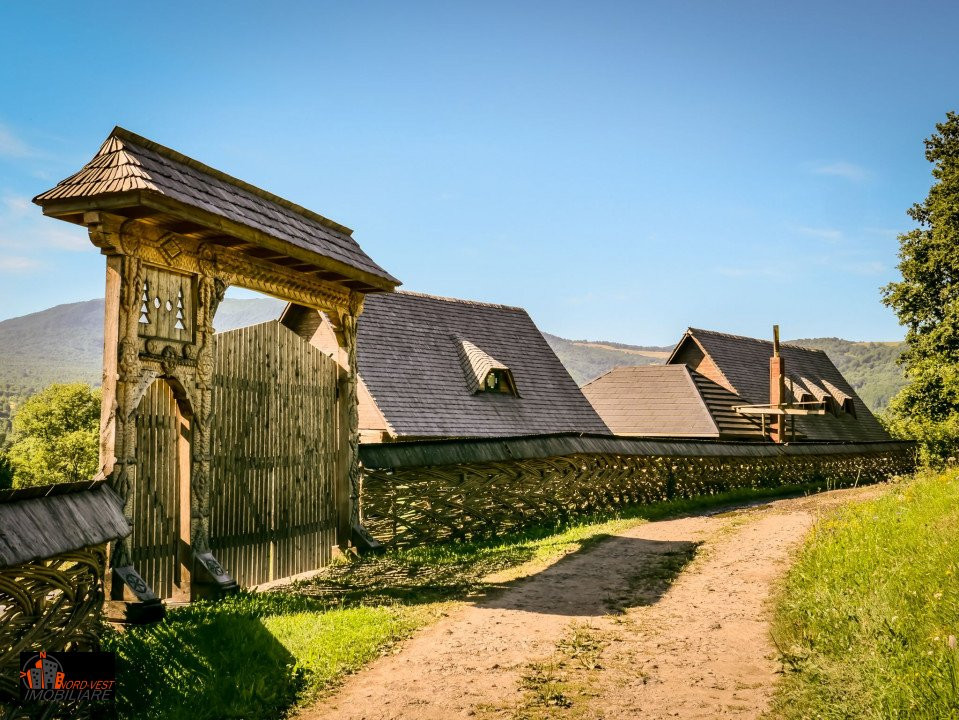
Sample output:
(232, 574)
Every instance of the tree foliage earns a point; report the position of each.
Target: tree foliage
(926, 302)
(55, 436)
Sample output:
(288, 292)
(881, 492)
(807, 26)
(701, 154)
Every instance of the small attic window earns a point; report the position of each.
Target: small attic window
(499, 380)
(484, 373)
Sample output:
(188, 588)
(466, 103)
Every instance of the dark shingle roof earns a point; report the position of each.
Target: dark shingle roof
(40, 522)
(744, 362)
(127, 163)
(409, 355)
(667, 401)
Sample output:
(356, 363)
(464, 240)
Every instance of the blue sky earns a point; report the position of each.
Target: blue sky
(622, 170)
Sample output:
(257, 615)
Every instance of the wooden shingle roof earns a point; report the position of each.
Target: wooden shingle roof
(130, 172)
(40, 522)
(668, 401)
(410, 353)
(743, 365)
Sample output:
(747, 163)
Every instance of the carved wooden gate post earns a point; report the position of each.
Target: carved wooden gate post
(176, 233)
(158, 325)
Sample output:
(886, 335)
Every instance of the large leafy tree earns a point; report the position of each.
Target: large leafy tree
(55, 436)
(926, 301)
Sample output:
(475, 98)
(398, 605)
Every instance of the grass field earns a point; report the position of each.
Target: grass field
(257, 655)
(868, 618)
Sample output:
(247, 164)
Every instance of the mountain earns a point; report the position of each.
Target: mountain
(64, 344)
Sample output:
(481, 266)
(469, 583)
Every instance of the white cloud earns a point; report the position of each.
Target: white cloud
(830, 234)
(12, 146)
(16, 264)
(842, 169)
(26, 232)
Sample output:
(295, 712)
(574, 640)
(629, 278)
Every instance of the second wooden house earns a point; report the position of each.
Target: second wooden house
(730, 387)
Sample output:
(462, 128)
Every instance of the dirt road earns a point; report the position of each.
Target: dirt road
(668, 619)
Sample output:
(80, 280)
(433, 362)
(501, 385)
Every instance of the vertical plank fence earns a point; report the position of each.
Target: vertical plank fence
(274, 445)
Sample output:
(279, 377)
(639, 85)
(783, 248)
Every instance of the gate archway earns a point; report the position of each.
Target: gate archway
(176, 234)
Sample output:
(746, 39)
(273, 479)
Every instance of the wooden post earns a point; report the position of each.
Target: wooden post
(777, 390)
(343, 461)
(111, 328)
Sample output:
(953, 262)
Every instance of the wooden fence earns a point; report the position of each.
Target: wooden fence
(274, 453)
(457, 490)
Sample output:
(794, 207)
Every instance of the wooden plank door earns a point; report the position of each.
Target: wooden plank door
(156, 517)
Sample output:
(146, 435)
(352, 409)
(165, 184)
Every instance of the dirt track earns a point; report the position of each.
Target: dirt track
(696, 648)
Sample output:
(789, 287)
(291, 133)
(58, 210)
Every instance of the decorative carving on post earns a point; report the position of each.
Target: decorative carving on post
(348, 324)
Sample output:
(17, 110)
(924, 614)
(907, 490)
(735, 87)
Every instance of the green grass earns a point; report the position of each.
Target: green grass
(868, 616)
(258, 655)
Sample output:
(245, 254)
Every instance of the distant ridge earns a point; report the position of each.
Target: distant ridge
(64, 344)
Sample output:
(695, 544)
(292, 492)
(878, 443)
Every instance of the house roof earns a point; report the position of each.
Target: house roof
(667, 401)
(130, 171)
(743, 363)
(40, 522)
(410, 349)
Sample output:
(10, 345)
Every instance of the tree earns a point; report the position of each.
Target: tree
(926, 302)
(55, 436)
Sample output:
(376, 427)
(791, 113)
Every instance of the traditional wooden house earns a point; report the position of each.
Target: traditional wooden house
(434, 367)
(730, 387)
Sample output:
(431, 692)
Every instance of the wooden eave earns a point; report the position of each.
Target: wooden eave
(181, 219)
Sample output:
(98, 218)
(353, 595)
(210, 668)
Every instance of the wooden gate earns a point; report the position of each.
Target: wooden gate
(274, 447)
(156, 529)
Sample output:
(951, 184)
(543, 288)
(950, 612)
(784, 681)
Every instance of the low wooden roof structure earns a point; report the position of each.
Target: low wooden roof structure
(741, 366)
(421, 358)
(668, 401)
(133, 177)
(41, 522)
(424, 453)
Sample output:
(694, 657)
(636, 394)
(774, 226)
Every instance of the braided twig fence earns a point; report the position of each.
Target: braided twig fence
(52, 604)
(411, 505)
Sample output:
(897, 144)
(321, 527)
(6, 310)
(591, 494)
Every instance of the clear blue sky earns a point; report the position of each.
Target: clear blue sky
(622, 170)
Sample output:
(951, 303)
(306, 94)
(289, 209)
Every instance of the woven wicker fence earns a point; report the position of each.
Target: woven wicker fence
(413, 504)
(51, 604)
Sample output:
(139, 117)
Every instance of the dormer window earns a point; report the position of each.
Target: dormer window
(482, 372)
(500, 380)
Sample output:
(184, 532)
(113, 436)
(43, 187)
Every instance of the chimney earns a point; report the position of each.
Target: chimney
(777, 390)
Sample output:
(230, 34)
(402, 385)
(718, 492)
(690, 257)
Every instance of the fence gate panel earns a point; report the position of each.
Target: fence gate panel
(273, 471)
(155, 537)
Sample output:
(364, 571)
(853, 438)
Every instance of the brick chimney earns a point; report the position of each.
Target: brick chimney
(777, 390)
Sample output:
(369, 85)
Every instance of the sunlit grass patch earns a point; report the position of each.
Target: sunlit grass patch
(868, 616)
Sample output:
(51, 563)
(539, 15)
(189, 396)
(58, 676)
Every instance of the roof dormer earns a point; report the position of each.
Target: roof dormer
(483, 372)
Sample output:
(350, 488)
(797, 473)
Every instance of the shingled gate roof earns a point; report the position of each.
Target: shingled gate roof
(40, 522)
(744, 364)
(130, 172)
(409, 355)
(667, 401)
